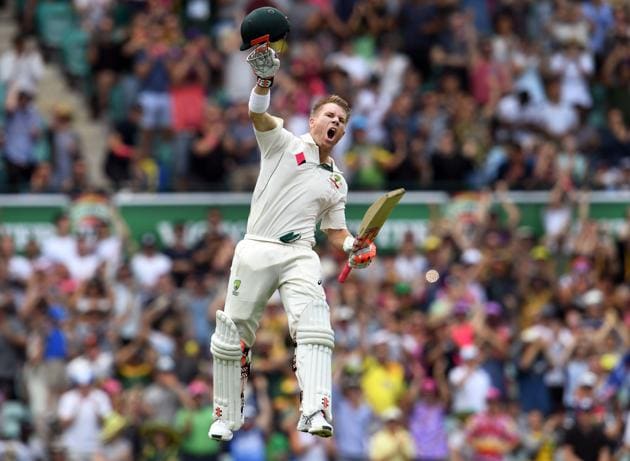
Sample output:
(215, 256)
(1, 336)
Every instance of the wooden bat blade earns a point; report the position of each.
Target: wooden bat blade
(377, 214)
(373, 221)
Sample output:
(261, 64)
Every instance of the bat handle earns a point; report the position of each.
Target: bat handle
(344, 273)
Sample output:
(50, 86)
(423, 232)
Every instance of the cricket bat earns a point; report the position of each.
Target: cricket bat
(371, 224)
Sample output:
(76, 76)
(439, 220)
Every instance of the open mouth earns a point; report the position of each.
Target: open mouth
(330, 134)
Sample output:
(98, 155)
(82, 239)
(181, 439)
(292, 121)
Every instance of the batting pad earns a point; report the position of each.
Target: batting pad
(225, 346)
(315, 341)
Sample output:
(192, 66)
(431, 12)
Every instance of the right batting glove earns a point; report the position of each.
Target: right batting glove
(265, 64)
(360, 253)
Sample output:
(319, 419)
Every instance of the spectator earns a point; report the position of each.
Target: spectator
(427, 422)
(81, 412)
(22, 129)
(193, 425)
(165, 395)
(585, 440)
(353, 418)
(470, 383)
(22, 67)
(383, 378)
(492, 434)
(393, 441)
(122, 146)
(150, 264)
(65, 146)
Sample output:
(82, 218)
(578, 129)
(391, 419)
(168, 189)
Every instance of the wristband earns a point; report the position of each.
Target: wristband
(259, 103)
(264, 82)
(348, 243)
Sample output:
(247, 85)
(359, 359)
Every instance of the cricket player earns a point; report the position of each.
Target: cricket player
(298, 186)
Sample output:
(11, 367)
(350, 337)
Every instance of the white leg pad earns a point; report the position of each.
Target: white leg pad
(225, 346)
(315, 341)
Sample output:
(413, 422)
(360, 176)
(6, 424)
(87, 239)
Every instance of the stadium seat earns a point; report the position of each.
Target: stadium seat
(75, 48)
(54, 20)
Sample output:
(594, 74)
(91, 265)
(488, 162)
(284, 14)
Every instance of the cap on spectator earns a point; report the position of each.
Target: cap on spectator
(198, 387)
(428, 385)
(148, 239)
(80, 372)
(402, 289)
(359, 122)
(165, 364)
(493, 394)
(540, 253)
(343, 313)
(493, 308)
(588, 379)
(380, 337)
(531, 334)
(112, 386)
(431, 243)
(63, 110)
(593, 297)
(461, 307)
(391, 414)
(57, 313)
(471, 256)
(469, 352)
(581, 264)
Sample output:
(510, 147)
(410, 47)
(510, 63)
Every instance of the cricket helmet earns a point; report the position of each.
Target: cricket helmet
(266, 24)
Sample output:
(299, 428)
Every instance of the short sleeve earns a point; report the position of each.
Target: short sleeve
(273, 141)
(335, 216)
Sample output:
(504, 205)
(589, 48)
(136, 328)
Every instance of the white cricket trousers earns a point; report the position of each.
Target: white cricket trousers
(259, 267)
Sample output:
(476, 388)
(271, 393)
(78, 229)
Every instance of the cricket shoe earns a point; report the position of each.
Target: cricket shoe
(219, 430)
(315, 424)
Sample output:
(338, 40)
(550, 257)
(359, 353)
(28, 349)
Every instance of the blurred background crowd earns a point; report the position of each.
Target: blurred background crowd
(446, 94)
(483, 341)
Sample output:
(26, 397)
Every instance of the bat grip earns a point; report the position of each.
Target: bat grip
(344, 273)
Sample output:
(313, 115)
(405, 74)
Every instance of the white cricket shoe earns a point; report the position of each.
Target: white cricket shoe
(219, 430)
(315, 424)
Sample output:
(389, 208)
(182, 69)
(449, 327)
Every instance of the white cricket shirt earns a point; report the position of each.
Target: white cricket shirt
(293, 191)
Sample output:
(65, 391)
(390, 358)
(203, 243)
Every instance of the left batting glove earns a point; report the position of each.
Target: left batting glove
(265, 63)
(361, 254)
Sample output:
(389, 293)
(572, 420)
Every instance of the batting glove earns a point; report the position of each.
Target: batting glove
(264, 62)
(363, 256)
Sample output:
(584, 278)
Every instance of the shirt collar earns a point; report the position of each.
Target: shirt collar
(307, 138)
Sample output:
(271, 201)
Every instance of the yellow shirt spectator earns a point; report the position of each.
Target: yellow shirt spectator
(383, 383)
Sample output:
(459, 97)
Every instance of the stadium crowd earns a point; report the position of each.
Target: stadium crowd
(483, 341)
(446, 94)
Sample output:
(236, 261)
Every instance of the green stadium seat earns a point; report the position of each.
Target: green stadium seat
(54, 20)
(42, 149)
(75, 52)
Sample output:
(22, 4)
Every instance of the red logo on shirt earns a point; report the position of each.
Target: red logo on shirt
(300, 159)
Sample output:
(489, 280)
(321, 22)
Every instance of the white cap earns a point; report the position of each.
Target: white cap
(343, 313)
(471, 256)
(593, 297)
(391, 414)
(380, 337)
(588, 379)
(165, 363)
(80, 372)
(468, 352)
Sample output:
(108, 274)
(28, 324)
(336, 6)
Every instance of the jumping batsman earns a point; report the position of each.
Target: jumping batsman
(298, 186)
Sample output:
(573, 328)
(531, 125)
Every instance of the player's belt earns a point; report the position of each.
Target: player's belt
(299, 241)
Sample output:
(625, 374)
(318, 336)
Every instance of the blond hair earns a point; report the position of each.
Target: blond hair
(333, 99)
